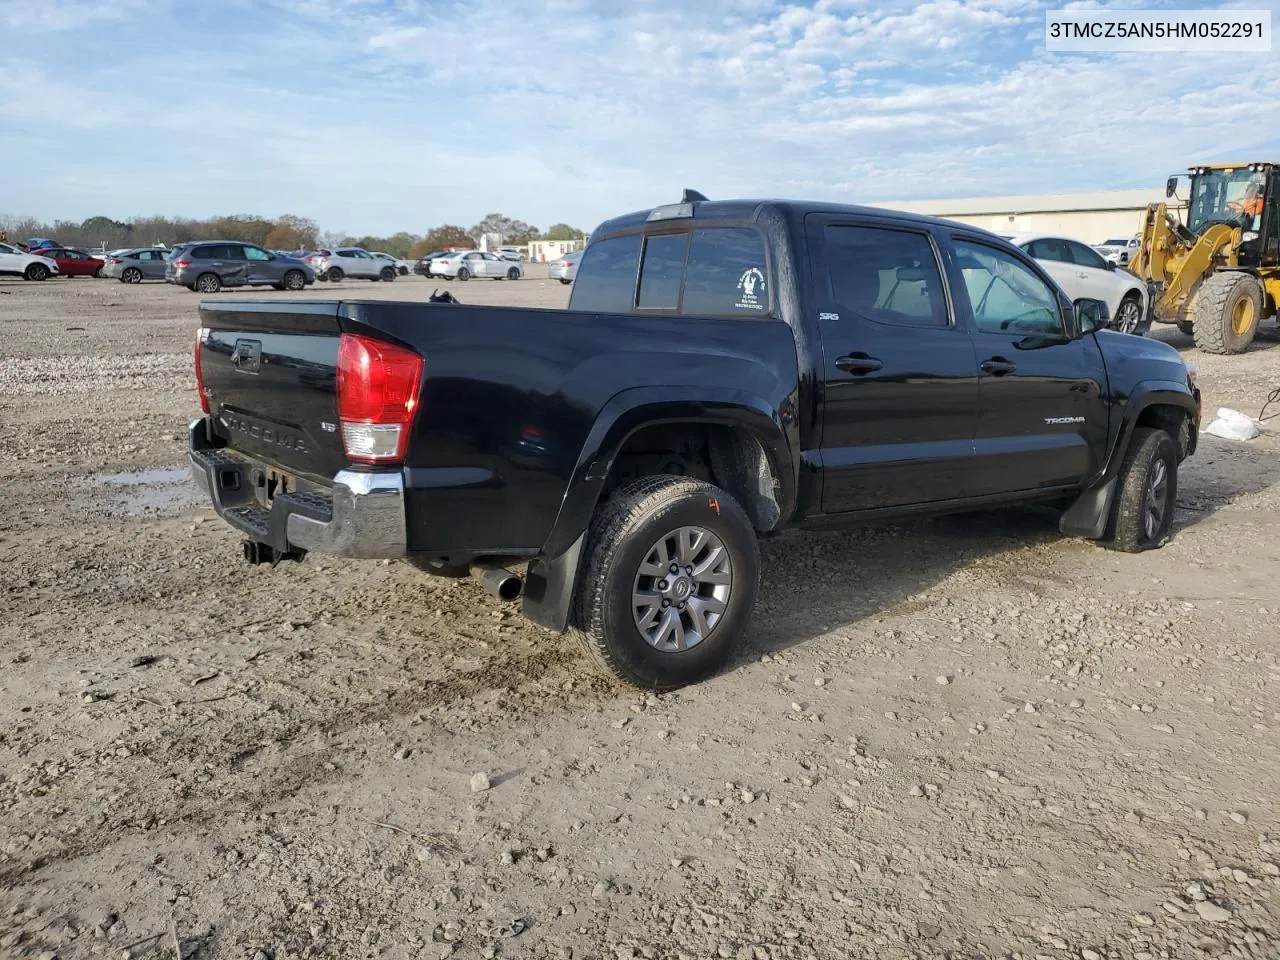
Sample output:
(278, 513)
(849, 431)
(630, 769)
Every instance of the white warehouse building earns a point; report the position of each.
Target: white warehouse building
(1089, 217)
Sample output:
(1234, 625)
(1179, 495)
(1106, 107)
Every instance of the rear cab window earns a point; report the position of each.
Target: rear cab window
(707, 271)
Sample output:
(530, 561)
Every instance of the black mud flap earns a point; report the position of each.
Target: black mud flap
(548, 587)
(1088, 516)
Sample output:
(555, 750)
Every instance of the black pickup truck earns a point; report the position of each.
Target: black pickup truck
(724, 369)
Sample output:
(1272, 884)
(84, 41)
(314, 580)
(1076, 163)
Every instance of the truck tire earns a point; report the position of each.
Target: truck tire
(1227, 310)
(1147, 491)
(669, 581)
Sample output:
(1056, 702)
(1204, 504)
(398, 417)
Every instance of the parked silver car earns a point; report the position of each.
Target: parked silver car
(565, 267)
(466, 264)
(134, 266)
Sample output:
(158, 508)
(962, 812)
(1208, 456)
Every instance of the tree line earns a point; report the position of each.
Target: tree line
(287, 232)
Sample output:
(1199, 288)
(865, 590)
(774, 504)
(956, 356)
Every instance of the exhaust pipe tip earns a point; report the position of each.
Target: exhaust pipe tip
(499, 582)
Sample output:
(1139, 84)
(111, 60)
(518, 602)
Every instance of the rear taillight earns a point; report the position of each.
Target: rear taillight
(378, 386)
(182, 263)
(204, 399)
(112, 260)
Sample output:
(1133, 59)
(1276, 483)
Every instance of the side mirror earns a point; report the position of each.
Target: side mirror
(1111, 264)
(1092, 314)
(1171, 186)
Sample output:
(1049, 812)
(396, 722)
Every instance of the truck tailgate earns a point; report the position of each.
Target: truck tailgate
(269, 372)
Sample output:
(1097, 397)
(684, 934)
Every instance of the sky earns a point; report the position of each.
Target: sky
(373, 116)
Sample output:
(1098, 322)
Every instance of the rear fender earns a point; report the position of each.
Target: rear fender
(551, 577)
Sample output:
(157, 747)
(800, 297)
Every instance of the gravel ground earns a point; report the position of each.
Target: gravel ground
(955, 738)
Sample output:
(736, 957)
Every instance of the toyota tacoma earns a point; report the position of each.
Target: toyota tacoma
(725, 369)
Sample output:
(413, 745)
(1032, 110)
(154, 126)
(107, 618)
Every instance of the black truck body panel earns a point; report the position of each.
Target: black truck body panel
(523, 411)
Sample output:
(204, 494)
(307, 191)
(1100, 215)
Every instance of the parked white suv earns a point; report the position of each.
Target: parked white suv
(1118, 251)
(1082, 272)
(29, 266)
(335, 265)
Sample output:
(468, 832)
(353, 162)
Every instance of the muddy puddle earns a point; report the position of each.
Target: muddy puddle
(142, 492)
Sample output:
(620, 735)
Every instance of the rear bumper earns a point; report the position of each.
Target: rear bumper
(359, 515)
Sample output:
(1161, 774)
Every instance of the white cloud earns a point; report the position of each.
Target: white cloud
(577, 109)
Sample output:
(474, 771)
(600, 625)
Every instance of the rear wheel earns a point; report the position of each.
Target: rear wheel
(131, 275)
(1129, 314)
(208, 283)
(1228, 307)
(334, 275)
(37, 271)
(1148, 488)
(565, 281)
(464, 273)
(669, 580)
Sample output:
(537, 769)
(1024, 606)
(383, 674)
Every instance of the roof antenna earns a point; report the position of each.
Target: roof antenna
(691, 196)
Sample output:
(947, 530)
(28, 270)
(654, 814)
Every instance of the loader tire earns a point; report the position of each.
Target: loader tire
(1227, 310)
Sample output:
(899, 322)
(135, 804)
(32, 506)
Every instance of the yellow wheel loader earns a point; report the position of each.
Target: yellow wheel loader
(1218, 275)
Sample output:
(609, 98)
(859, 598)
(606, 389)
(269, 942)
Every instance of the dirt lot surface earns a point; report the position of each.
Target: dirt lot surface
(965, 737)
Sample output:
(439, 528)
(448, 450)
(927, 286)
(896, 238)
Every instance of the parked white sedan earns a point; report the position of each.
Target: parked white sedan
(1081, 272)
(465, 264)
(402, 266)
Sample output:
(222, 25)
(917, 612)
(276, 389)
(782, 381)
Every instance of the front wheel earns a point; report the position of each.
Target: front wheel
(1228, 307)
(387, 274)
(404, 271)
(37, 271)
(294, 280)
(1129, 315)
(1147, 491)
(513, 273)
(669, 581)
(565, 282)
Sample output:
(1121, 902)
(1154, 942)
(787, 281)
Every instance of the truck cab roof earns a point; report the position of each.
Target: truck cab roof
(746, 211)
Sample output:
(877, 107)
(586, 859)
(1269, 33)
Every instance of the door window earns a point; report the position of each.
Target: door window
(1084, 257)
(661, 271)
(253, 253)
(1005, 296)
(606, 280)
(726, 274)
(1050, 248)
(233, 252)
(885, 275)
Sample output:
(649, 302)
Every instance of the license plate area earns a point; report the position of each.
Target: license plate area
(268, 483)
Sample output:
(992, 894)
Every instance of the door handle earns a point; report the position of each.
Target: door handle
(858, 363)
(998, 366)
